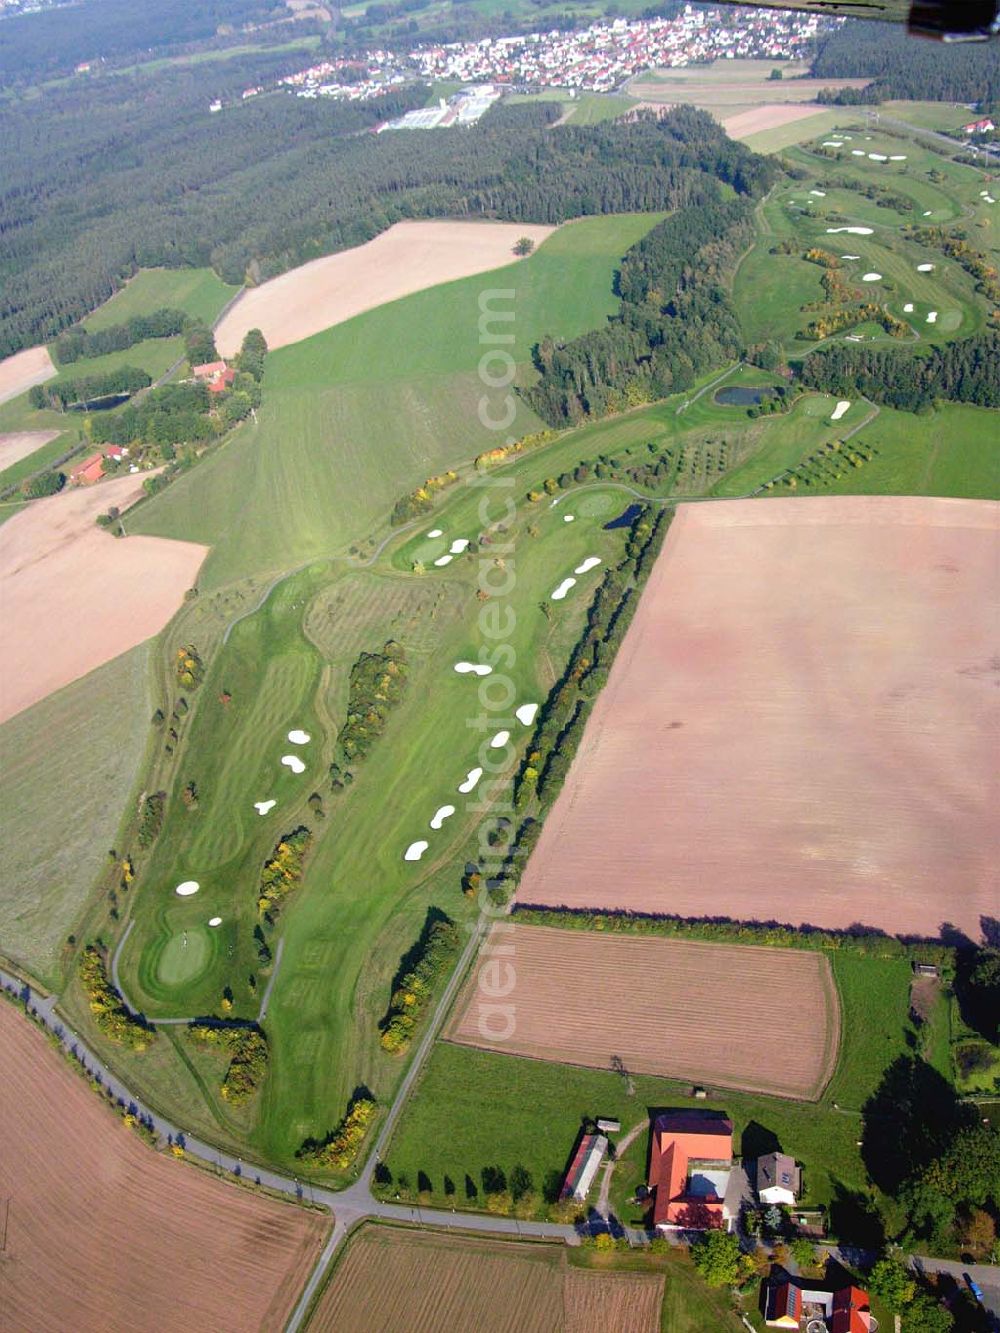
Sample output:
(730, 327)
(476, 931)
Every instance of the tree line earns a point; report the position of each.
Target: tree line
(280, 180)
(675, 320)
(62, 393)
(78, 343)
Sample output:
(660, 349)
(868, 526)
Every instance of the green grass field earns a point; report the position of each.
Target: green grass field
(67, 766)
(199, 292)
(797, 131)
(474, 1109)
(356, 416)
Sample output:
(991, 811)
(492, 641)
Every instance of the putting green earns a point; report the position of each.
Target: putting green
(590, 506)
(184, 957)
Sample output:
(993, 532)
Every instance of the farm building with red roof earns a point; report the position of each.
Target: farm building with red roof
(89, 471)
(689, 1170)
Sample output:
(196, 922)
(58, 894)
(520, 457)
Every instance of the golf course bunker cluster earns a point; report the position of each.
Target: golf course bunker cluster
(800, 724)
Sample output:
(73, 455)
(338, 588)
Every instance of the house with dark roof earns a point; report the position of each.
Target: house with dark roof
(690, 1164)
(779, 1180)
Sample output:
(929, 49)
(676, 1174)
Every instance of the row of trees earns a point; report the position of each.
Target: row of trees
(77, 342)
(436, 952)
(342, 1145)
(59, 394)
(282, 180)
(107, 1006)
(675, 320)
(966, 371)
(377, 684)
(282, 871)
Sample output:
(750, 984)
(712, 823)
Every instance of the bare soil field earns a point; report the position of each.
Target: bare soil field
(23, 370)
(400, 1281)
(405, 259)
(74, 597)
(801, 725)
(773, 116)
(102, 1233)
(731, 86)
(18, 444)
(666, 1007)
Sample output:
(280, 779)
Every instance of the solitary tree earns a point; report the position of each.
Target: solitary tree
(524, 245)
(717, 1257)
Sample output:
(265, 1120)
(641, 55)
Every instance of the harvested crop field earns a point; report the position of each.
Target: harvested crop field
(74, 596)
(103, 1233)
(405, 259)
(665, 1007)
(801, 724)
(18, 444)
(402, 1281)
(744, 123)
(730, 86)
(20, 372)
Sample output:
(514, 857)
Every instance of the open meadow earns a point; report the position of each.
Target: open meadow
(407, 258)
(199, 292)
(87, 1202)
(66, 767)
(754, 753)
(665, 1007)
(403, 1281)
(101, 596)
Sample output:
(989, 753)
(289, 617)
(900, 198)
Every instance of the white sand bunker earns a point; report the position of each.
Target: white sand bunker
(925, 268)
(820, 194)
(472, 668)
(871, 277)
(850, 256)
(878, 157)
(857, 152)
(293, 762)
(458, 545)
(855, 231)
(186, 889)
(988, 199)
(472, 778)
(299, 737)
(415, 850)
(441, 814)
(215, 920)
(832, 143)
(526, 713)
(568, 518)
(444, 559)
(591, 562)
(897, 157)
(840, 409)
(908, 308)
(262, 807)
(932, 317)
(499, 740)
(435, 532)
(559, 593)
(927, 212)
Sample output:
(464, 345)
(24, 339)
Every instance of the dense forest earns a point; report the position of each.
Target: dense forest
(261, 187)
(675, 320)
(904, 67)
(967, 371)
(54, 41)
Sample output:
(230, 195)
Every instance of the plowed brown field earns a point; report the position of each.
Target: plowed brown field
(400, 1281)
(664, 1006)
(103, 1234)
(802, 724)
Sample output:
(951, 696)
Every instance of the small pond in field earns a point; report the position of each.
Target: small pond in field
(624, 519)
(735, 395)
